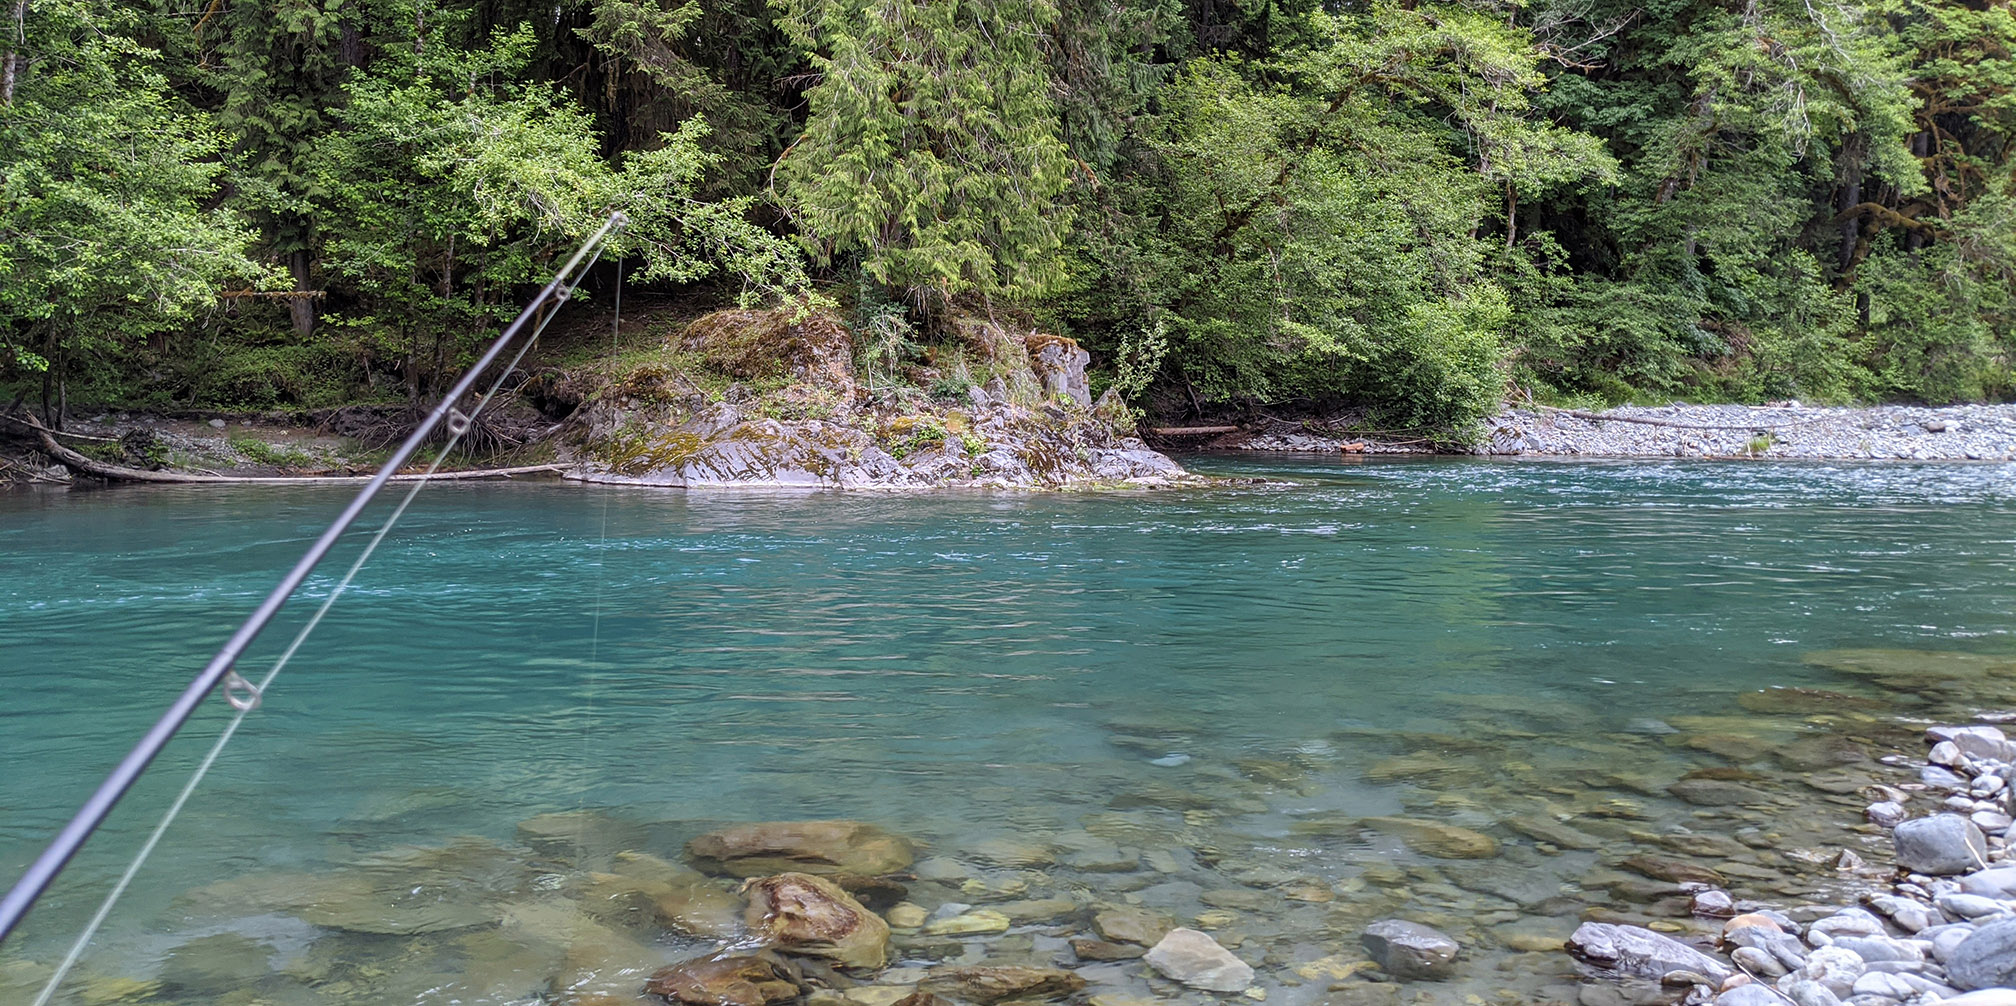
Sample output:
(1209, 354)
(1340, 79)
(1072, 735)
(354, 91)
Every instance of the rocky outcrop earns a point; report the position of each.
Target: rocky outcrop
(796, 414)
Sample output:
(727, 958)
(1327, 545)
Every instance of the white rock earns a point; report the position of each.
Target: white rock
(1880, 984)
(1835, 968)
(1197, 960)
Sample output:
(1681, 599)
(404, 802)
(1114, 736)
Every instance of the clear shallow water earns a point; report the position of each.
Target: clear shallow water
(948, 665)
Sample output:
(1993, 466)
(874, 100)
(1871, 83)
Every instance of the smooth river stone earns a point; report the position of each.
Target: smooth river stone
(1132, 925)
(1714, 793)
(985, 920)
(1544, 829)
(1435, 838)
(1986, 959)
(1196, 960)
(1634, 950)
(1941, 845)
(724, 981)
(816, 847)
(1410, 950)
(992, 984)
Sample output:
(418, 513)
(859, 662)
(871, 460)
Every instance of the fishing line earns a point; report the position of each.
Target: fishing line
(245, 696)
(601, 585)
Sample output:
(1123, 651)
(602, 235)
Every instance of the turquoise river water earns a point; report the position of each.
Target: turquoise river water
(962, 667)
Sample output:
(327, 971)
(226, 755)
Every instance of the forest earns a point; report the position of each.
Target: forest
(1411, 207)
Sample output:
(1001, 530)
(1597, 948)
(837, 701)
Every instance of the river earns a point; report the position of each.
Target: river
(1230, 677)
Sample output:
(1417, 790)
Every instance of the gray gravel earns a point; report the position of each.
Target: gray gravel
(1788, 430)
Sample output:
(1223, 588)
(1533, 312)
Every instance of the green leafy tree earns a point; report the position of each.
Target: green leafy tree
(108, 229)
(1320, 238)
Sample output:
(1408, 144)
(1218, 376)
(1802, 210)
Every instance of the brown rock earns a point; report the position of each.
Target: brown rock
(1132, 925)
(1100, 950)
(1674, 870)
(724, 981)
(1714, 793)
(817, 847)
(640, 884)
(985, 984)
(803, 914)
(1434, 838)
(922, 999)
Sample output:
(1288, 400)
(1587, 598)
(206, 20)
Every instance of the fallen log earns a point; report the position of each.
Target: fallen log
(1191, 431)
(119, 473)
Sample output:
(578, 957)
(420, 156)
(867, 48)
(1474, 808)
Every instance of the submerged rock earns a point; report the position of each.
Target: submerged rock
(756, 980)
(817, 847)
(212, 965)
(975, 923)
(1410, 950)
(994, 983)
(1435, 838)
(1132, 925)
(1197, 960)
(803, 914)
(670, 895)
(1714, 792)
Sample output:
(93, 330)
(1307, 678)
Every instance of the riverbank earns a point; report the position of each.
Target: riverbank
(1943, 929)
(1787, 431)
(733, 399)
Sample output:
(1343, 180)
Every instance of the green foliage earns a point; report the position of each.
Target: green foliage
(1320, 240)
(931, 153)
(1402, 206)
(107, 230)
(273, 455)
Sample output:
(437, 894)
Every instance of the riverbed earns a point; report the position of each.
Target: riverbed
(1226, 684)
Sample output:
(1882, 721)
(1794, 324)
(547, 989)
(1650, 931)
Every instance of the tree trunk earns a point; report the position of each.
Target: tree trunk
(1851, 197)
(12, 69)
(302, 308)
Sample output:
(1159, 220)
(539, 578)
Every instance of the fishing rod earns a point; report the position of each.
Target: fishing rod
(243, 695)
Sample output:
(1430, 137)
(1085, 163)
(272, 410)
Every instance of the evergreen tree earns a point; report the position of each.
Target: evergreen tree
(931, 155)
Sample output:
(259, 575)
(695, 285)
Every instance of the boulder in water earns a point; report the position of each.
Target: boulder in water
(803, 914)
(755, 980)
(817, 847)
(1132, 925)
(1435, 838)
(992, 984)
(1410, 950)
(674, 897)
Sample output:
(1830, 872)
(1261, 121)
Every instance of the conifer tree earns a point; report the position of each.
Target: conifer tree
(932, 153)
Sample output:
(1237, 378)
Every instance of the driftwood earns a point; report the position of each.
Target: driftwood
(119, 473)
(60, 433)
(1191, 431)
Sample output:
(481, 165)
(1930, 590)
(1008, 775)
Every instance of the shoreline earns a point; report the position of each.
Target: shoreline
(1942, 930)
(1785, 431)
